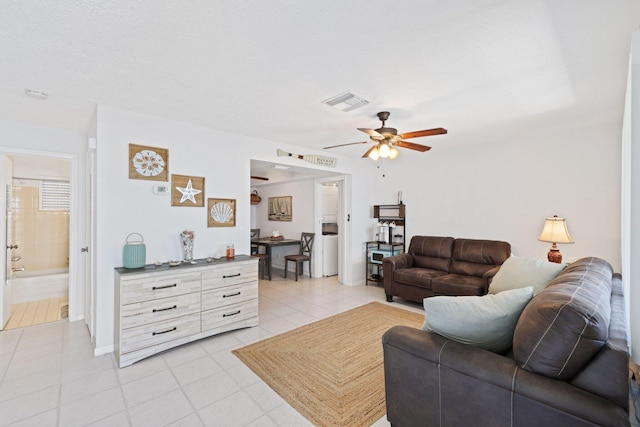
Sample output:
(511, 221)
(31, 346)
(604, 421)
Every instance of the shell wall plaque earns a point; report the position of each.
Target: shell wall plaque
(150, 163)
(221, 212)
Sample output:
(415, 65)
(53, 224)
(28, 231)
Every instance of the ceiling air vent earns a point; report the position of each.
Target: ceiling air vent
(346, 101)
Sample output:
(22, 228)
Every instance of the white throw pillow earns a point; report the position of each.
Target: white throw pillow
(518, 272)
(485, 321)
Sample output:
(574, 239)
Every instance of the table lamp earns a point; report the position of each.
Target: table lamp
(555, 231)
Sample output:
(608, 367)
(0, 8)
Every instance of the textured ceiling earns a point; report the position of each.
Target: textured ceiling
(484, 69)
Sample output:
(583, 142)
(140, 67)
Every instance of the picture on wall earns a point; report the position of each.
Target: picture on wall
(222, 212)
(187, 190)
(150, 163)
(280, 208)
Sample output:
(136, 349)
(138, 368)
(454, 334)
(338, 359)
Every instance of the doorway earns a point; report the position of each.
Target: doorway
(332, 200)
(37, 232)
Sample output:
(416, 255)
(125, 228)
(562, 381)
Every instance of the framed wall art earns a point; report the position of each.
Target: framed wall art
(221, 212)
(187, 190)
(280, 208)
(150, 163)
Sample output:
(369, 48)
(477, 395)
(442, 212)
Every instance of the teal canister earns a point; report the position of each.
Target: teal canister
(135, 252)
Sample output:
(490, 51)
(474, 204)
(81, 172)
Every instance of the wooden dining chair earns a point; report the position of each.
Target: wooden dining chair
(255, 234)
(306, 249)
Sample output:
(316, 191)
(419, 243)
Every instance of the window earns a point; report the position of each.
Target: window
(55, 195)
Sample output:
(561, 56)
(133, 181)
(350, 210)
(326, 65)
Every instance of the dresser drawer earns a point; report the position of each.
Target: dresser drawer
(235, 313)
(150, 287)
(159, 332)
(158, 310)
(220, 297)
(235, 273)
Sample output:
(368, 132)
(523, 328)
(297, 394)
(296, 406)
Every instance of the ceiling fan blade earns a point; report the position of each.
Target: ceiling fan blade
(350, 143)
(372, 133)
(262, 178)
(412, 146)
(426, 132)
(369, 151)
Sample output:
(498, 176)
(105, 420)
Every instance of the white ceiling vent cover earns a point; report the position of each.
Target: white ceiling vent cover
(346, 101)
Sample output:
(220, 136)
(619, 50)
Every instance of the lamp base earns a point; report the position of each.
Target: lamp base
(554, 255)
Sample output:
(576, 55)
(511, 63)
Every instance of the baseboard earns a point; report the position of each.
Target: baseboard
(99, 351)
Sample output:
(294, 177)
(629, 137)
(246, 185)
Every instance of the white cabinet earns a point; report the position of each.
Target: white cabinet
(158, 308)
(330, 203)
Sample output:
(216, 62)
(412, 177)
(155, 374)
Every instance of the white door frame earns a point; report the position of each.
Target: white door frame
(90, 258)
(345, 273)
(5, 266)
(74, 250)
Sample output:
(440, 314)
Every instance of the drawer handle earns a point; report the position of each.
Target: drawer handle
(155, 288)
(231, 314)
(164, 332)
(231, 295)
(233, 275)
(155, 310)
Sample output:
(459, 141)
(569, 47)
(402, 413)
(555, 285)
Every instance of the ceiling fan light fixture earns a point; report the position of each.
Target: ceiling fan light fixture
(384, 150)
(374, 154)
(393, 153)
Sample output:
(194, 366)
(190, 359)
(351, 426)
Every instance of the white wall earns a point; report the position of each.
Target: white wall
(504, 191)
(125, 206)
(630, 204)
(23, 139)
(36, 167)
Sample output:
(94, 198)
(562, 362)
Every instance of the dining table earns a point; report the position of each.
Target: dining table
(269, 243)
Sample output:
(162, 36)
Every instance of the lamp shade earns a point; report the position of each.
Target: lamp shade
(555, 231)
(384, 150)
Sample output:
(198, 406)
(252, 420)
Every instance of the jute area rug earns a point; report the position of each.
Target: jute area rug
(331, 371)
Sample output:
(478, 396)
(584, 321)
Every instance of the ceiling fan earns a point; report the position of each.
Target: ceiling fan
(387, 139)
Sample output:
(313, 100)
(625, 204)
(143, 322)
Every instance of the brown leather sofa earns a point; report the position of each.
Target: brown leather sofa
(443, 266)
(568, 365)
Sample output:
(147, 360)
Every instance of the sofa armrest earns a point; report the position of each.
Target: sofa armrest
(431, 380)
(389, 266)
(397, 262)
(488, 276)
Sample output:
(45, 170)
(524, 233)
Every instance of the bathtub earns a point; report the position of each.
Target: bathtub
(36, 285)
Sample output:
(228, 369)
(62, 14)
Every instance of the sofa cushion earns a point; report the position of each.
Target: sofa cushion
(420, 277)
(457, 285)
(475, 257)
(483, 321)
(517, 272)
(567, 323)
(431, 252)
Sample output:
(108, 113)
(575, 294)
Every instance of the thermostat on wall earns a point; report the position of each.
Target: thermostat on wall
(161, 189)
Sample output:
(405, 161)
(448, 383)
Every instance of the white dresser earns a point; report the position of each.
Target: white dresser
(158, 308)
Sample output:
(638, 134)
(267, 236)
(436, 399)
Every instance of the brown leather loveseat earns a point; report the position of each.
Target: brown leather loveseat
(443, 266)
(568, 365)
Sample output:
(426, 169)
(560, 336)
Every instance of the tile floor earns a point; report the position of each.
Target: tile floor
(49, 376)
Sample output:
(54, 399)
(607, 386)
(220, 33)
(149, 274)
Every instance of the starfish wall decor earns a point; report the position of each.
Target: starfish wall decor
(187, 190)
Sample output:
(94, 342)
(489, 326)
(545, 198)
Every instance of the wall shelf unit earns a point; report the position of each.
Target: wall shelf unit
(390, 239)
